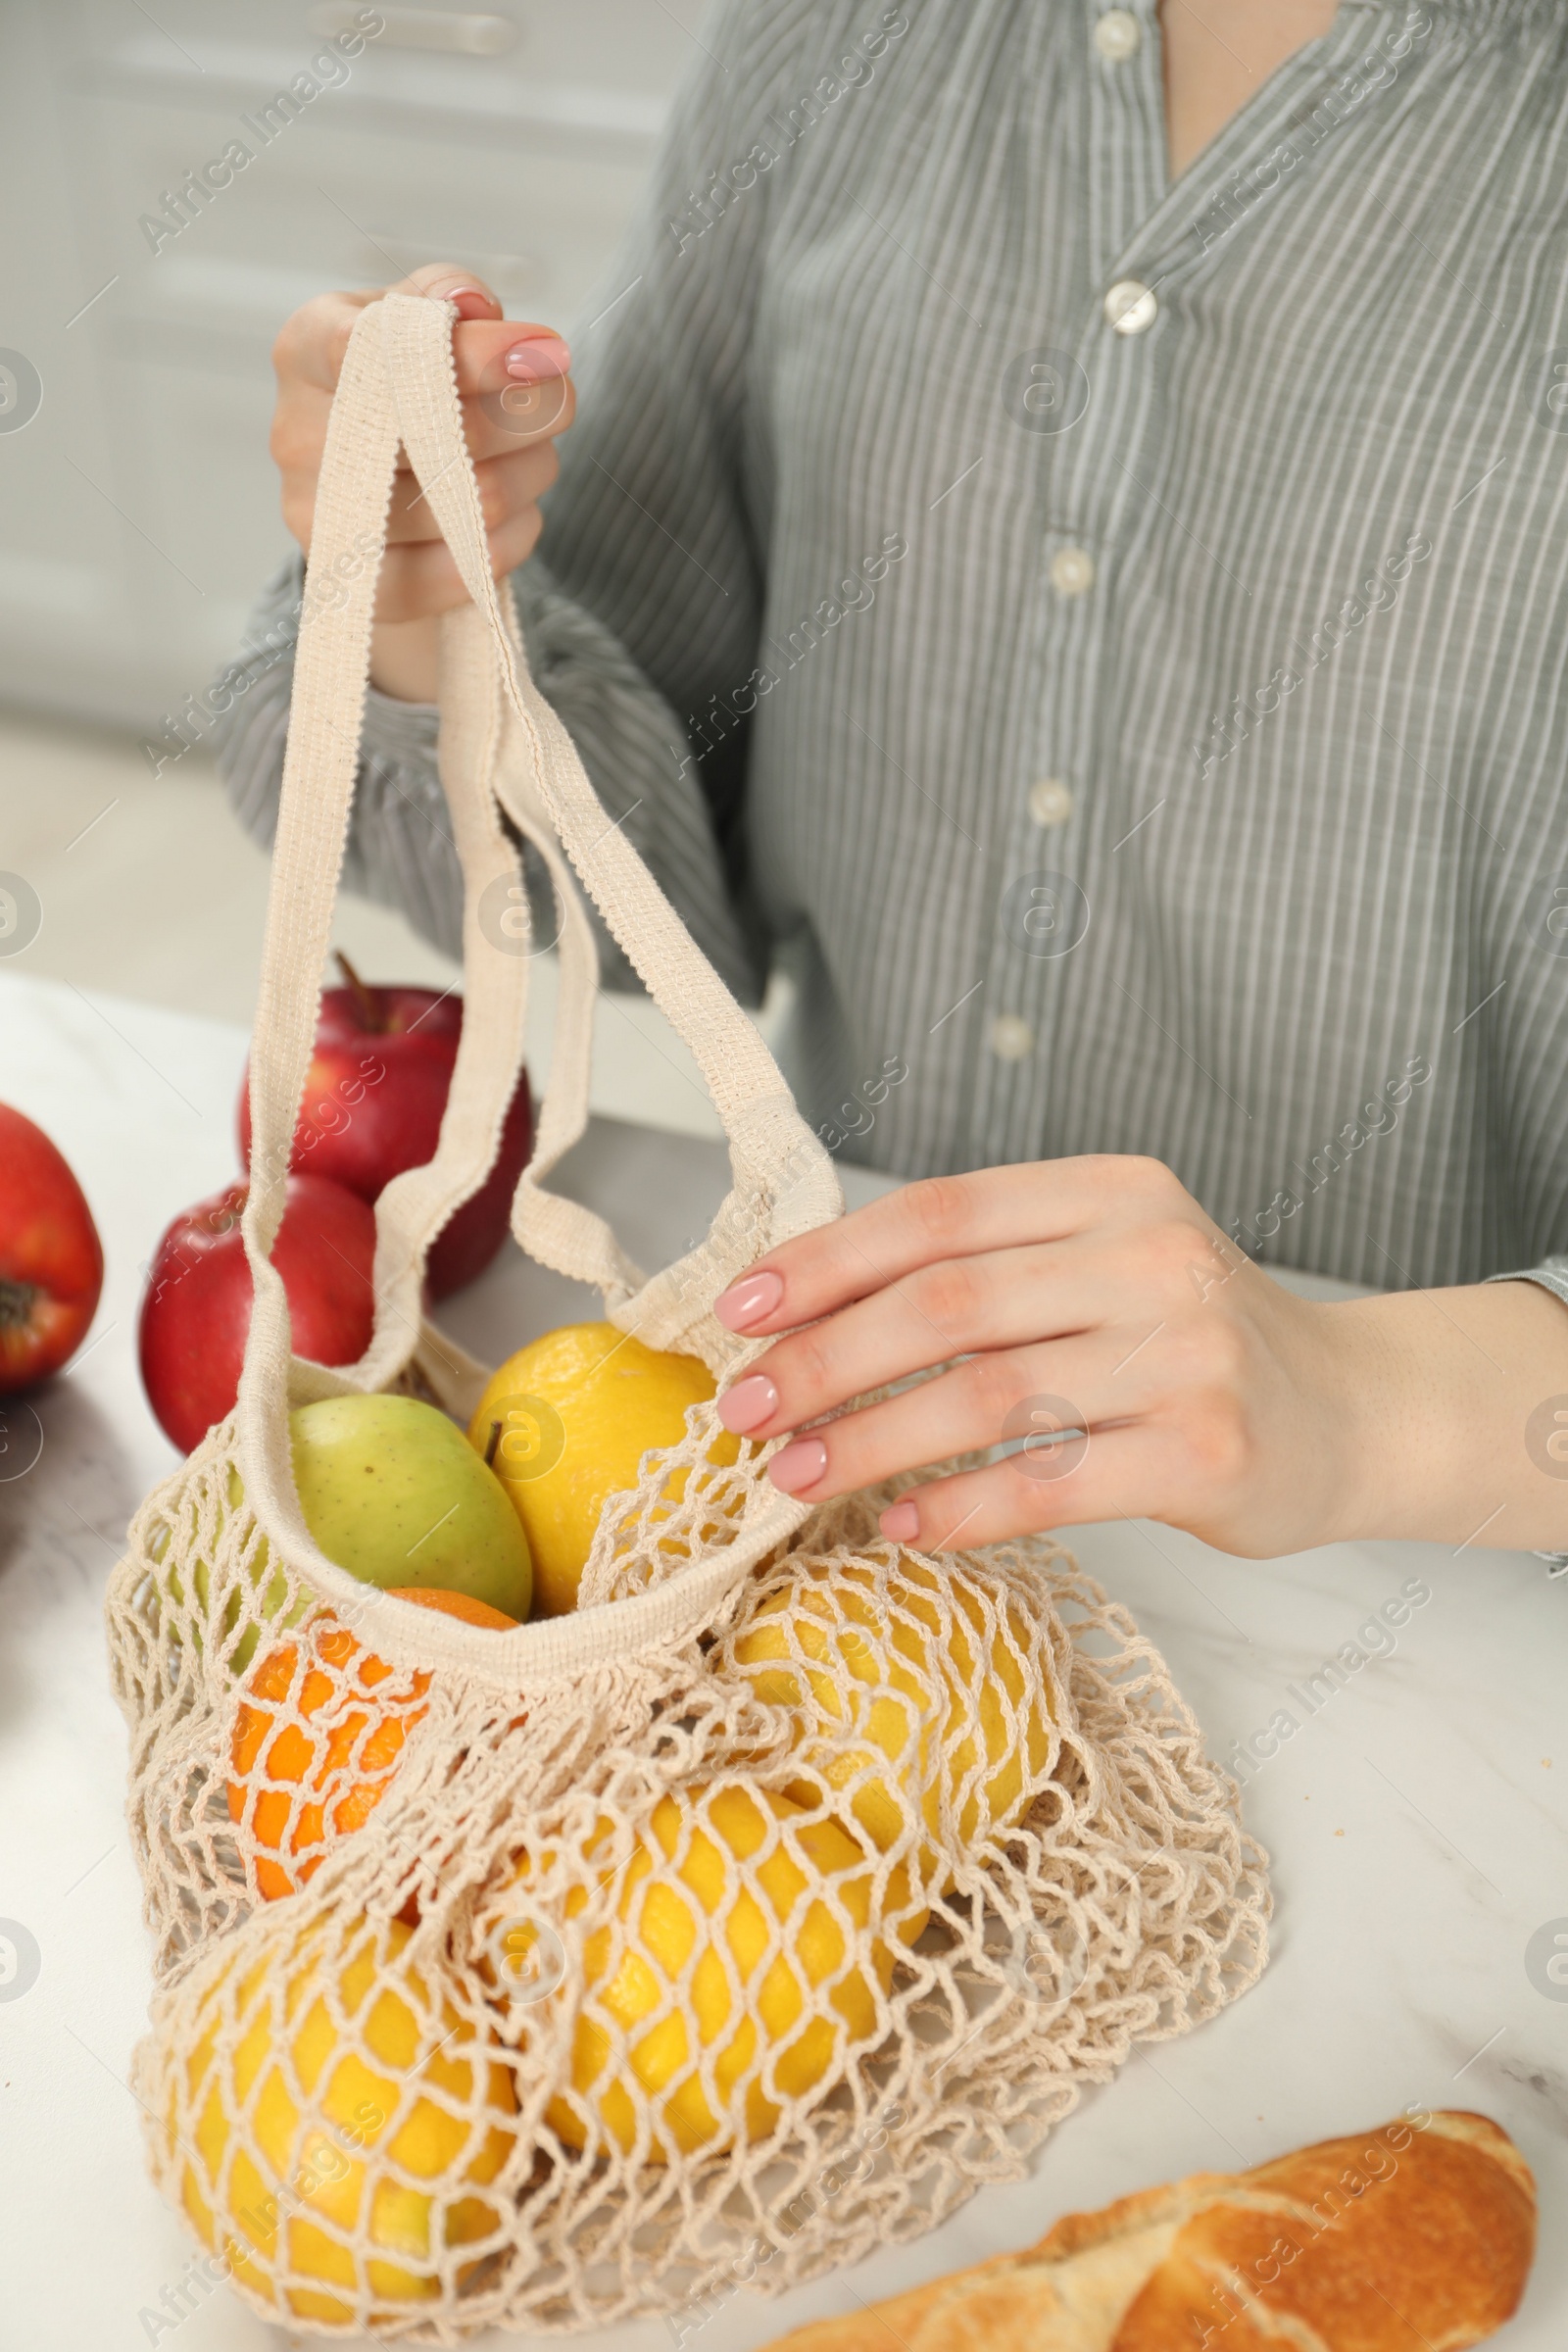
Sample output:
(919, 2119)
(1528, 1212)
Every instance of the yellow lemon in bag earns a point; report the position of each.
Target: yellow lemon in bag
(918, 1668)
(566, 1421)
(275, 2198)
(738, 1915)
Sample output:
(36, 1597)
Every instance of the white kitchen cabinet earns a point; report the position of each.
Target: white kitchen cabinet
(138, 506)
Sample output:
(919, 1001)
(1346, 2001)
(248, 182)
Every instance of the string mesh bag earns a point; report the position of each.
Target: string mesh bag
(749, 1916)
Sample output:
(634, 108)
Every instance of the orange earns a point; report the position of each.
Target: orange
(455, 1605)
(360, 1712)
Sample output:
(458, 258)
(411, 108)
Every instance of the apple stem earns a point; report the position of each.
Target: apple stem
(15, 1306)
(366, 997)
(490, 1450)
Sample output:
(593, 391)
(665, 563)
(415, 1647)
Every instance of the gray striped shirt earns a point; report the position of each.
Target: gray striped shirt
(1146, 741)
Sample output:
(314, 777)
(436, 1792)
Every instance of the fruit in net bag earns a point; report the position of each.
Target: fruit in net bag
(771, 1978)
(335, 2120)
(318, 1736)
(390, 1491)
(566, 1421)
(736, 1914)
(916, 1688)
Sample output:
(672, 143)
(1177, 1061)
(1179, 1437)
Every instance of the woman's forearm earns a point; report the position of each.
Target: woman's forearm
(1465, 1424)
(1086, 1314)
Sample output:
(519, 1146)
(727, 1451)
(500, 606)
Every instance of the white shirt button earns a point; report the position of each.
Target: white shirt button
(1049, 802)
(1073, 570)
(1119, 36)
(1010, 1038)
(1130, 305)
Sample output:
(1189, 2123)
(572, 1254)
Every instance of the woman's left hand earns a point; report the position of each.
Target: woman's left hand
(1094, 1296)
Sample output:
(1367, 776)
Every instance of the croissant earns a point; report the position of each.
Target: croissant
(1416, 2236)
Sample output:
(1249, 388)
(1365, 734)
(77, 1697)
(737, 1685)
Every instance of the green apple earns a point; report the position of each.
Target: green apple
(268, 1583)
(393, 1491)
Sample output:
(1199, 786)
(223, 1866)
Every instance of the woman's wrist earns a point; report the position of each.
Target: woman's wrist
(1451, 1395)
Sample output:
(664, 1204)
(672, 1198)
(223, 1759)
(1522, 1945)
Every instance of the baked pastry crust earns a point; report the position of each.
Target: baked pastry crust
(1416, 2236)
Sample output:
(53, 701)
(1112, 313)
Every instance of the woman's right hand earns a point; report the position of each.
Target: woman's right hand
(516, 396)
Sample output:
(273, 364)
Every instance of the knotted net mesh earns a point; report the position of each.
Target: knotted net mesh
(714, 1965)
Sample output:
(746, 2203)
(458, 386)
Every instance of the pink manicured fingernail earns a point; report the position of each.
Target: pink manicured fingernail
(534, 362)
(748, 1300)
(899, 1521)
(749, 1403)
(799, 1466)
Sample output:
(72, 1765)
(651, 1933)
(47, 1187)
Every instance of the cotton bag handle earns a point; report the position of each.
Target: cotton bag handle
(784, 1179)
(501, 744)
(332, 664)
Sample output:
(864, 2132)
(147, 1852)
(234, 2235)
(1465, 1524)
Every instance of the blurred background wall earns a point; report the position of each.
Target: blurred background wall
(141, 510)
(138, 505)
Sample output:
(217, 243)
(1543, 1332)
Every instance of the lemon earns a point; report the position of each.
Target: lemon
(373, 2133)
(577, 1410)
(774, 1988)
(894, 1666)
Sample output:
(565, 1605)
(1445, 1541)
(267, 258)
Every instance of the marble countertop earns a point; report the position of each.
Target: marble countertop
(1415, 1817)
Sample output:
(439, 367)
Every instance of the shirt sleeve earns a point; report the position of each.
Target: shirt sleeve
(645, 605)
(1552, 1274)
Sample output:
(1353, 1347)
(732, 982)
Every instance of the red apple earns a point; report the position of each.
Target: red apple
(197, 1308)
(373, 1098)
(51, 1260)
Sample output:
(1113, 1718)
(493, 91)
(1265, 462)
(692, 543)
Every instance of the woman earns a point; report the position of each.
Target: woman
(1066, 549)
